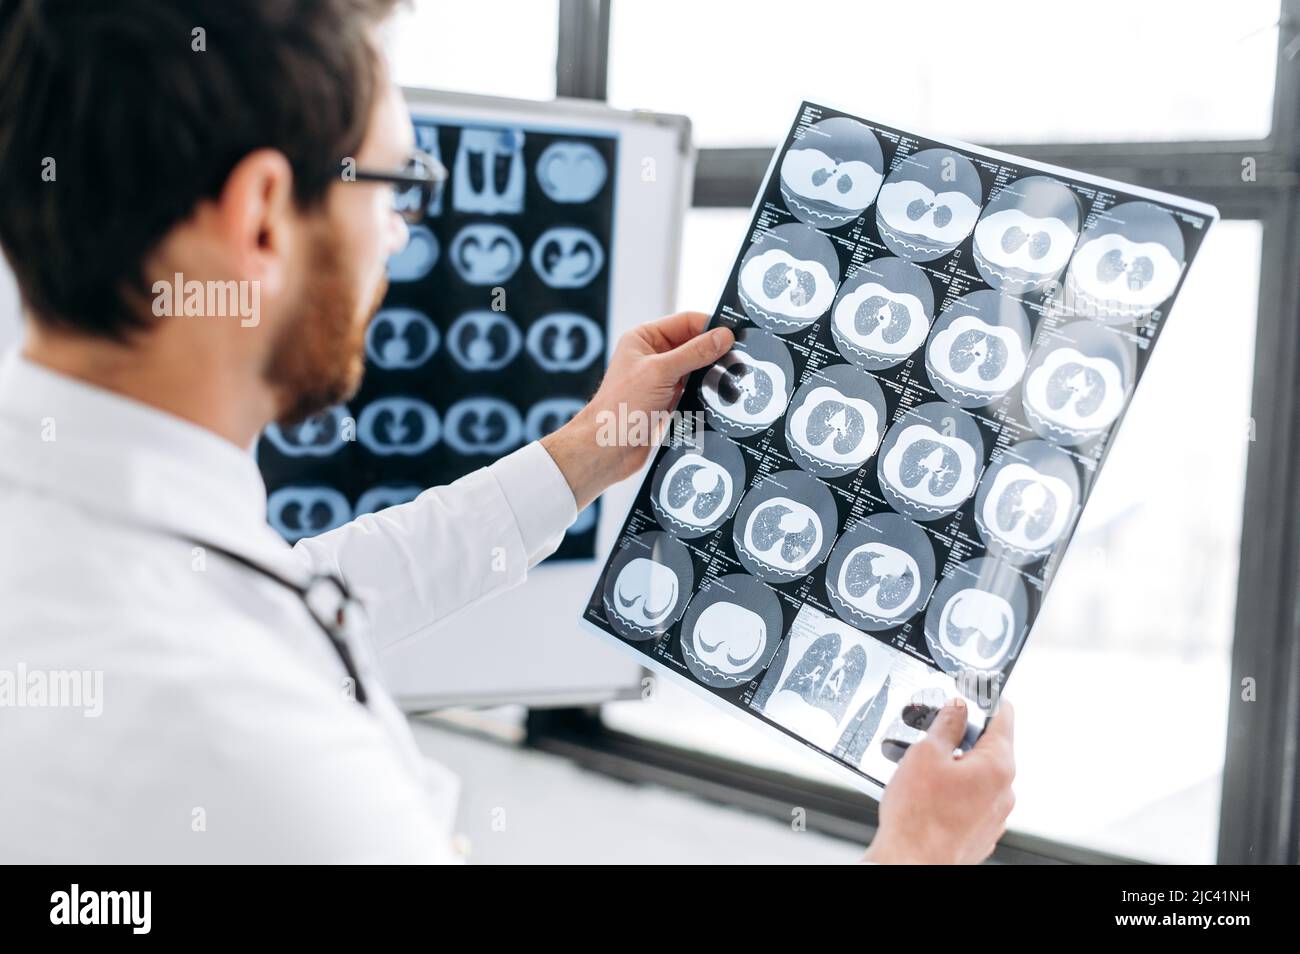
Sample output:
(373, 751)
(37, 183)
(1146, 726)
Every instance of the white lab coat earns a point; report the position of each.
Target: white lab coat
(223, 734)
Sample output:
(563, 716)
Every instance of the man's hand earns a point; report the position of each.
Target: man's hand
(938, 809)
(645, 378)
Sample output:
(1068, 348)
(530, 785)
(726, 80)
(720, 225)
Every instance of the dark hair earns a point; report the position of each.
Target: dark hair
(144, 116)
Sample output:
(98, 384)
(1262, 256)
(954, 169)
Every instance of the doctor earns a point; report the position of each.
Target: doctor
(177, 684)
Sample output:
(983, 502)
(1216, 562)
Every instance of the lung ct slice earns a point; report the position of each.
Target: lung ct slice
(398, 425)
(565, 341)
(795, 544)
(893, 590)
(483, 425)
(483, 340)
(935, 463)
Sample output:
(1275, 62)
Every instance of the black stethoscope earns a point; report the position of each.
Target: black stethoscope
(333, 620)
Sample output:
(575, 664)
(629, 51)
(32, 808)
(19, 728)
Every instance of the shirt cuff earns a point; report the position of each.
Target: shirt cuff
(539, 497)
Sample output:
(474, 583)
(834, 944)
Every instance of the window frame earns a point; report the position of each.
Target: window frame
(1260, 806)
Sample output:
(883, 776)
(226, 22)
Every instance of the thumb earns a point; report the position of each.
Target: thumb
(948, 727)
(698, 352)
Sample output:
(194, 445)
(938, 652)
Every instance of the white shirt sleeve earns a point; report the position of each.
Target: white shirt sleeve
(419, 563)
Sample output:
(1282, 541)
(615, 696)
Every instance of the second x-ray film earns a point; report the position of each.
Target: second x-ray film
(492, 332)
(861, 506)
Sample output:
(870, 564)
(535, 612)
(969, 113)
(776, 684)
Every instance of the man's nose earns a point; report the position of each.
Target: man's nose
(399, 234)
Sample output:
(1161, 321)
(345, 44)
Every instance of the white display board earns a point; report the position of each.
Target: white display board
(526, 645)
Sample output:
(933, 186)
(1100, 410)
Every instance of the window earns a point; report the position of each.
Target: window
(1157, 70)
(710, 239)
(1157, 696)
(1122, 692)
(462, 46)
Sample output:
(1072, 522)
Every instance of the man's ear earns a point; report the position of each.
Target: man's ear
(257, 219)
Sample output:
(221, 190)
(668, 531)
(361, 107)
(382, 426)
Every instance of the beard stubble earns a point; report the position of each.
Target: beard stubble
(318, 360)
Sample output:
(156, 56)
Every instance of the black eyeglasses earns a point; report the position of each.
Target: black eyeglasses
(414, 186)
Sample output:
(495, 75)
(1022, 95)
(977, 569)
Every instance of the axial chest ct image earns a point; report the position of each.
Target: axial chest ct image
(788, 278)
(882, 313)
(881, 572)
(697, 485)
(748, 389)
(1027, 501)
(785, 526)
(1077, 382)
(1026, 234)
(977, 617)
(1130, 259)
(978, 348)
(483, 340)
(835, 420)
(571, 172)
(832, 174)
(400, 339)
(647, 585)
(486, 253)
(930, 461)
(731, 630)
(928, 204)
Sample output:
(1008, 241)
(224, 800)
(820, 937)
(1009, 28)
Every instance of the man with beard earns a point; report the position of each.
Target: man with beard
(206, 692)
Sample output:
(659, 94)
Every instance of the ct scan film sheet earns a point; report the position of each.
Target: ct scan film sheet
(491, 335)
(864, 502)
